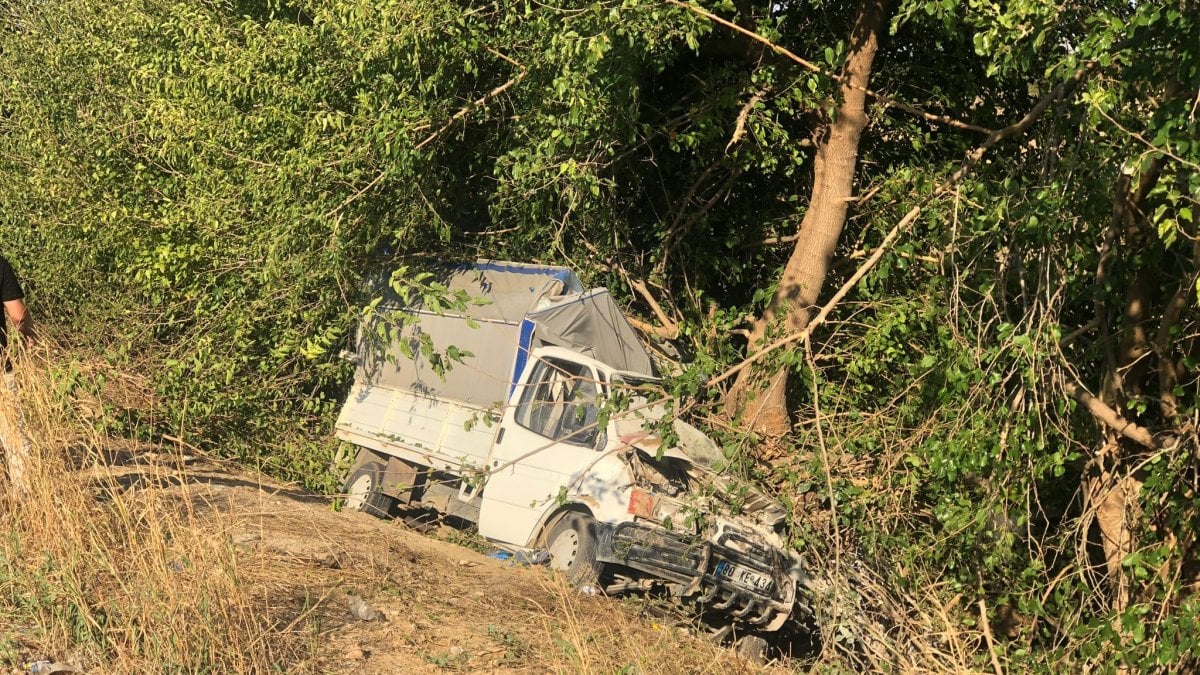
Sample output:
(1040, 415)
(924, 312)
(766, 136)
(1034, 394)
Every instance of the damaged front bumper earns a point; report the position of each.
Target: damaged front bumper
(753, 583)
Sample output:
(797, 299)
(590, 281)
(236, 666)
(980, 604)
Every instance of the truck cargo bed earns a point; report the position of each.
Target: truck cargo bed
(439, 433)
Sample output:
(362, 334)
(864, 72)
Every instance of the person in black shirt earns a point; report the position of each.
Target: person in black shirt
(14, 309)
(14, 442)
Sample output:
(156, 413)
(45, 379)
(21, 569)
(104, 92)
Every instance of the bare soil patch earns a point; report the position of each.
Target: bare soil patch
(433, 605)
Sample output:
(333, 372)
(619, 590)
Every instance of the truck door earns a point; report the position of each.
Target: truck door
(545, 444)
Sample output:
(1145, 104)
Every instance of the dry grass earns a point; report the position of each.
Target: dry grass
(870, 627)
(135, 569)
(121, 581)
(597, 635)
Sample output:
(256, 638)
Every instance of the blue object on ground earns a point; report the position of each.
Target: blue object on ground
(538, 557)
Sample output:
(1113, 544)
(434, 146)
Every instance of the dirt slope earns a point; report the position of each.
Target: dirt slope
(441, 606)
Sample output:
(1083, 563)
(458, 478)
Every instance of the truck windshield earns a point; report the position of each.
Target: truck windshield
(560, 402)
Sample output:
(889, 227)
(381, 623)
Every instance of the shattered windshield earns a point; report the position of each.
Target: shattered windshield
(634, 410)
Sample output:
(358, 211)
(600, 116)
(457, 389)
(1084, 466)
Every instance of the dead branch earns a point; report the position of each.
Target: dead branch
(670, 329)
(833, 503)
(739, 127)
(650, 329)
(987, 636)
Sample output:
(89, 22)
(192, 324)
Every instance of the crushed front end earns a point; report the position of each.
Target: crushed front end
(703, 536)
(733, 572)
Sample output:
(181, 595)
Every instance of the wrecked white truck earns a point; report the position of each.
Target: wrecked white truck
(519, 437)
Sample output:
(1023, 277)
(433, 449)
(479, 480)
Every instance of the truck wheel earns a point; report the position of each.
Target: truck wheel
(753, 649)
(572, 546)
(364, 490)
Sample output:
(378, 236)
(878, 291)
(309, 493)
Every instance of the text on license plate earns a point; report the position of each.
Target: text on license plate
(743, 576)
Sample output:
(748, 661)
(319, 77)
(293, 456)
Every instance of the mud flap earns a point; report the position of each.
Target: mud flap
(399, 478)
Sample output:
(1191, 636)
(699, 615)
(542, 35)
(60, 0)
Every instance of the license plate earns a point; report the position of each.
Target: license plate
(744, 576)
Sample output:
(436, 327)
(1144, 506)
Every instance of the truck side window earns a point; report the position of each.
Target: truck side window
(560, 403)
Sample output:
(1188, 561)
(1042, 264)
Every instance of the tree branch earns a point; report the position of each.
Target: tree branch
(973, 157)
(837, 297)
(1111, 418)
(1168, 368)
(670, 329)
(841, 79)
(462, 112)
(429, 139)
(1082, 330)
(739, 127)
(650, 329)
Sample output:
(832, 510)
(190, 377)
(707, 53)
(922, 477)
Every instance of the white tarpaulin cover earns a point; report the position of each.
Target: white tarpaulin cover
(527, 306)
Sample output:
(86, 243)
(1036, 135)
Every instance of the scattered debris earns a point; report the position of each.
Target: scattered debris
(361, 609)
(539, 557)
(45, 667)
(534, 557)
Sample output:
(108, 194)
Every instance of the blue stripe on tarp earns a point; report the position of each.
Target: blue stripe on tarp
(561, 274)
(489, 266)
(523, 347)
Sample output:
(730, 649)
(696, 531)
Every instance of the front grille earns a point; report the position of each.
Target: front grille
(673, 556)
(692, 564)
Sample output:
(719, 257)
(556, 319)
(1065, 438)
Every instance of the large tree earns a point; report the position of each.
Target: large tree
(761, 399)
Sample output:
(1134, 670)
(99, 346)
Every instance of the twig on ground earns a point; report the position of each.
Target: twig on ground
(987, 636)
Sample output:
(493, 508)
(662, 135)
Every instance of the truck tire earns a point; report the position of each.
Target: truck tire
(572, 546)
(364, 490)
(753, 649)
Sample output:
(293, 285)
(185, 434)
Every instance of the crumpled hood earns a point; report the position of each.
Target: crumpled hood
(703, 457)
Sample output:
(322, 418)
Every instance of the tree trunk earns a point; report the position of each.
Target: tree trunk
(758, 397)
(1112, 491)
(1115, 499)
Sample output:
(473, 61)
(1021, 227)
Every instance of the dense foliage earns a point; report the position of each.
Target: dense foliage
(199, 191)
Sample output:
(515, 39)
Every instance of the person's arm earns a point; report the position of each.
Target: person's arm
(19, 315)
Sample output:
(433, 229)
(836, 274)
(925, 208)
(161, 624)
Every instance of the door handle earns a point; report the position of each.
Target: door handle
(500, 436)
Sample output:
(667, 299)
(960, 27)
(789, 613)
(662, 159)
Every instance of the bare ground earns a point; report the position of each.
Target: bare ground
(441, 606)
